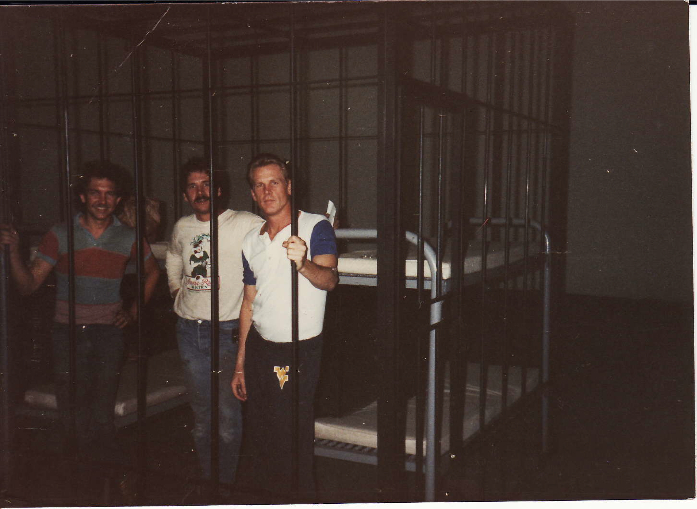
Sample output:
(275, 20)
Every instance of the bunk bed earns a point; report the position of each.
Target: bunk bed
(353, 436)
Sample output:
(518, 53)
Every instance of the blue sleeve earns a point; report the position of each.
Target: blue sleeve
(323, 240)
(247, 274)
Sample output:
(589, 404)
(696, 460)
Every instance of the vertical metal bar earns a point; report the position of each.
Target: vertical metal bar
(548, 251)
(420, 296)
(254, 115)
(6, 383)
(215, 333)
(485, 211)
(254, 98)
(294, 273)
(141, 370)
(429, 487)
(342, 205)
(72, 434)
(459, 377)
(507, 216)
(390, 274)
(175, 136)
(420, 245)
(432, 354)
(58, 70)
(528, 164)
(100, 74)
(440, 224)
(105, 94)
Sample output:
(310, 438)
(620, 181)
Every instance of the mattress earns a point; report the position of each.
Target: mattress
(364, 262)
(360, 427)
(165, 389)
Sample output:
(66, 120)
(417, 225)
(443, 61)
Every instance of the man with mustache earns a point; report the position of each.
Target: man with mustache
(102, 248)
(189, 276)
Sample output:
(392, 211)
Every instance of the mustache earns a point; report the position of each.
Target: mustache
(201, 199)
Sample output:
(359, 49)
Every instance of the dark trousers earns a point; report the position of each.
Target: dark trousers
(98, 359)
(269, 412)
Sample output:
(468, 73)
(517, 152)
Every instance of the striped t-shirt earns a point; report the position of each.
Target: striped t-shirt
(99, 268)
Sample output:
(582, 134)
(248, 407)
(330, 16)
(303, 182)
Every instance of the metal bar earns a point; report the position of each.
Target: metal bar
(72, 434)
(528, 166)
(58, 101)
(141, 371)
(100, 74)
(294, 273)
(215, 286)
(342, 207)
(451, 98)
(507, 214)
(485, 212)
(254, 98)
(175, 145)
(458, 377)
(436, 291)
(543, 214)
(104, 88)
(326, 84)
(420, 297)
(548, 261)
(390, 443)
(420, 246)
(6, 382)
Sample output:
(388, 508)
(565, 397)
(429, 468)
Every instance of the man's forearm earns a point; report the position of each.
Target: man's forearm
(26, 277)
(245, 325)
(324, 278)
(152, 274)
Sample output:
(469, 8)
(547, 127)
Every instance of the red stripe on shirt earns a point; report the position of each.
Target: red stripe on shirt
(108, 264)
(49, 245)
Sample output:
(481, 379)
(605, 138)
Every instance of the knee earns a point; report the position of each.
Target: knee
(228, 435)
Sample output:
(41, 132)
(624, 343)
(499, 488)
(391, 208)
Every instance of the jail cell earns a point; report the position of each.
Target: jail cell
(435, 126)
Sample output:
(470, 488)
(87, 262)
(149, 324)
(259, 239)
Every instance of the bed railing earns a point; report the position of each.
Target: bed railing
(436, 316)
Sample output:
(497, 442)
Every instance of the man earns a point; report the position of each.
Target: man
(189, 275)
(102, 248)
(265, 359)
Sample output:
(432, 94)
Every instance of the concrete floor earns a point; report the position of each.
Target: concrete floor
(622, 415)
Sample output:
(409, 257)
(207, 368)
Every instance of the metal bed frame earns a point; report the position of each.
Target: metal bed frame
(363, 454)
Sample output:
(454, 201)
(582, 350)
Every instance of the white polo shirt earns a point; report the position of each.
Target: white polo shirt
(267, 267)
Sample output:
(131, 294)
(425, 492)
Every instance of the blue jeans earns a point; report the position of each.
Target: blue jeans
(194, 338)
(98, 359)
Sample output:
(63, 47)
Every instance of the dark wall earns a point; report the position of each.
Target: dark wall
(630, 218)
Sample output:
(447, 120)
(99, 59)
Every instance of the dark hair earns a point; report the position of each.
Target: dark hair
(200, 165)
(101, 170)
(265, 159)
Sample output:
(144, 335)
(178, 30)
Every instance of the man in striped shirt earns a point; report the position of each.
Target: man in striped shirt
(102, 248)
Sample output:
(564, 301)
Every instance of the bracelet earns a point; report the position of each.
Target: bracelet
(240, 372)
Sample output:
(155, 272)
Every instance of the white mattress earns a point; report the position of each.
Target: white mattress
(165, 382)
(365, 263)
(360, 427)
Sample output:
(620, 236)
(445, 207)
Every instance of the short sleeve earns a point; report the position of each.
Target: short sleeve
(247, 273)
(323, 239)
(48, 248)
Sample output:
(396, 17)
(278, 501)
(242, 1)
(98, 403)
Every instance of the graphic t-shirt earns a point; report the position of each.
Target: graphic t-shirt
(188, 264)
